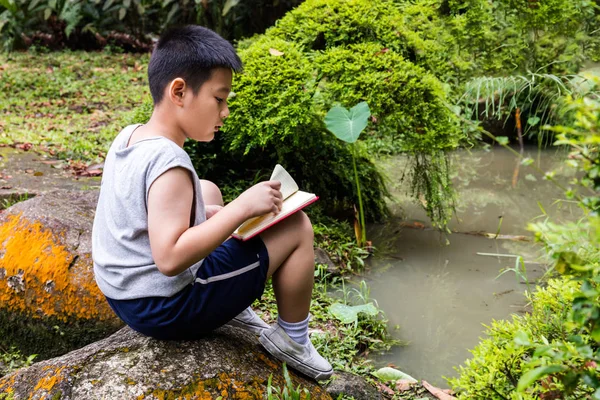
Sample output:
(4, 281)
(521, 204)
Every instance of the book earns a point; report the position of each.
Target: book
(294, 200)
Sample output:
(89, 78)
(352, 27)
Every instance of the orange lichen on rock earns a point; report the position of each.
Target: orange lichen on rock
(6, 384)
(37, 278)
(224, 385)
(48, 382)
(273, 365)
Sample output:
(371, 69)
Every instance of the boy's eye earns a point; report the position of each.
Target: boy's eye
(219, 100)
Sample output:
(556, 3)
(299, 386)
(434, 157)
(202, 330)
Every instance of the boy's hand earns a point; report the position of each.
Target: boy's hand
(262, 198)
(212, 209)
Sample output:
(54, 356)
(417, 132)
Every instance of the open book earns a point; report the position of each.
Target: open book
(293, 200)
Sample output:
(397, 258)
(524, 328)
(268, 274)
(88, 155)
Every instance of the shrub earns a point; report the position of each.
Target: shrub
(554, 351)
(273, 120)
(500, 360)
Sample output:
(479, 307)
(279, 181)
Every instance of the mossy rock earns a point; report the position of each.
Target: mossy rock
(229, 363)
(49, 301)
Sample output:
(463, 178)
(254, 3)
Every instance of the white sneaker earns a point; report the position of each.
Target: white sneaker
(303, 358)
(249, 321)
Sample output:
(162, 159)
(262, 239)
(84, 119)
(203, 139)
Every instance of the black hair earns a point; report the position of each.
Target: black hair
(191, 53)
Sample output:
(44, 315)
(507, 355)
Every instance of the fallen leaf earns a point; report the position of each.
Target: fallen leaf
(402, 385)
(437, 392)
(38, 173)
(6, 187)
(29, 171)
(275, 52)
(385, 389)
(93, 172)
(96, 166)
(24, 146)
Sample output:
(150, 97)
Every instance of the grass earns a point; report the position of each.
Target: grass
(69, 104)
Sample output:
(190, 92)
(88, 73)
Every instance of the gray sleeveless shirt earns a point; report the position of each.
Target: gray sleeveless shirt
(123, 264)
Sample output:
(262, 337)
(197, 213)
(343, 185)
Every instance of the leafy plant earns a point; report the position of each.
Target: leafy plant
(571, 365)
(554, 352)
(537, 96)
(12, 359)
(347, 126)
(288, 392)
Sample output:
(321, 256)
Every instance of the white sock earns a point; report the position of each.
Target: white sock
(298, 331)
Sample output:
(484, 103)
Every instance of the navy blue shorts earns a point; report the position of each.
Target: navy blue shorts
(227, 282)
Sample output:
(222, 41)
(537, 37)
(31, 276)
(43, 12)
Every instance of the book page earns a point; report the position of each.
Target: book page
(288, 185)
(290, 205)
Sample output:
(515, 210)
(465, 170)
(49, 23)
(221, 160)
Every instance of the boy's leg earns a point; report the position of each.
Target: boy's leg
(290, 244)
(291, 265)
(247, 319)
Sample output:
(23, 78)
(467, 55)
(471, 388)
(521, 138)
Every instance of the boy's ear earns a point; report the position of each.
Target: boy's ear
(176, 91)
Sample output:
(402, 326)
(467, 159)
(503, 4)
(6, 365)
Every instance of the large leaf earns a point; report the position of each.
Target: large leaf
(229, 4)
(387, 374)
(349, 314)
(347, 125)
(531, 376)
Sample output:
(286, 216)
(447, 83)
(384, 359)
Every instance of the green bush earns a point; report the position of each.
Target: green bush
(554, 352)
(500, 360)
(274, 120)
(518, 36)
(415, 31)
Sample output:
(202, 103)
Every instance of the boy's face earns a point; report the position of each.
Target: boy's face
(205, 111)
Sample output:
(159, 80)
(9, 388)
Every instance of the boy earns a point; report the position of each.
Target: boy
(161, 251)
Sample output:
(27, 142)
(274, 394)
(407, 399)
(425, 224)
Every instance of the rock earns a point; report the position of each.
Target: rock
(228, 363)
(49, 301)
(321, 257)
(344, 383)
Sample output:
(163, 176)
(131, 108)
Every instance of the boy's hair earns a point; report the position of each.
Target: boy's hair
(191, 53)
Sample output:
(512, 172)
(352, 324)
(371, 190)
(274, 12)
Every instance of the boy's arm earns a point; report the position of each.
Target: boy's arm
(175, 246)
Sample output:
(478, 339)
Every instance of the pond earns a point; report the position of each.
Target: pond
(438, 290)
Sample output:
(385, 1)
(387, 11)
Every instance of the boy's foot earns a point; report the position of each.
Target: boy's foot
(249, 321)
(302, 358)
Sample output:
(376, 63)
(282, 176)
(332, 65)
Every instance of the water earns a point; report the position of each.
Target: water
(440, 289)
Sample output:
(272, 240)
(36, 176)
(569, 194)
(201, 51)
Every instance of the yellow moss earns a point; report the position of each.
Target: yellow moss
(50, 287)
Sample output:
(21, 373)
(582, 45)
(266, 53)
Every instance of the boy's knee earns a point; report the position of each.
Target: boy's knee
(211, 194)
(305, 228)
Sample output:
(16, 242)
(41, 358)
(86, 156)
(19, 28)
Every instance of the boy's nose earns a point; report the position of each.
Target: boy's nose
(225, 113)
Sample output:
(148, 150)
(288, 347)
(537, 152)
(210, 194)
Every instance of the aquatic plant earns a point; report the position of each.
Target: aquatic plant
(347, 126)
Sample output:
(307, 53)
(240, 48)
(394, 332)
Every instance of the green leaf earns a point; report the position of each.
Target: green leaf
(229, 4)
(9, 5)
(527, 161)
(595, 333)
(522, 339)
(349, 314)
(392, 374)
(347, 125)
(122, 13)
(533, 121)
(503, 140)
(107, 5)
(531, 376)
(530, 178)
